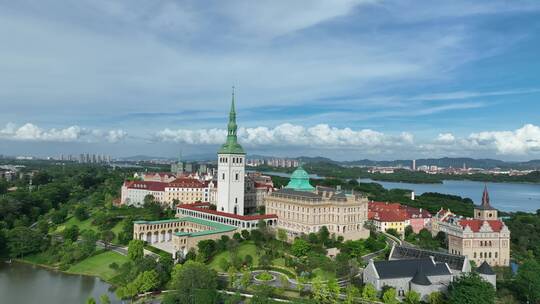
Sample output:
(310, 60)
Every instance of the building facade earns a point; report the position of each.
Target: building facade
(485, 237)
(302, 209)
(181, 190)
(423, 276)
(231, 170)
(384, 216)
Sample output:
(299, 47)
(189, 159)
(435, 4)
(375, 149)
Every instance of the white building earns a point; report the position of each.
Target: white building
(231, 170)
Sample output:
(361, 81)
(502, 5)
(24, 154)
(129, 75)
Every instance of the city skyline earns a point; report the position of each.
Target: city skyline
(348, 80)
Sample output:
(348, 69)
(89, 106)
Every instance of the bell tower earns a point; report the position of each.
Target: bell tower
(231, 170)
(485, 211)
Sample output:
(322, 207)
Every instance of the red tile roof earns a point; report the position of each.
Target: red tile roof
(390, 216)
(186, 183)
(476, 224)
(225, 214)
(146, 185)
(395, 211)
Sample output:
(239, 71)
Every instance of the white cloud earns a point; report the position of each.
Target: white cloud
(446, 138)
(321, 135)
(31, 132)
(523, 141)
(518, 142)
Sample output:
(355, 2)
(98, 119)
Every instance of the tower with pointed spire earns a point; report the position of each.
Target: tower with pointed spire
(231, 169)
(485, 211)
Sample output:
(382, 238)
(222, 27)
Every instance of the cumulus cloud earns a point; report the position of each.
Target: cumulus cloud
(321, 135)
(445, 138)
(519, 142)
(31, 132)
(523, 141)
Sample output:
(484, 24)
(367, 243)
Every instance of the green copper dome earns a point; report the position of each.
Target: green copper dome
(300, 180)
(231, 146)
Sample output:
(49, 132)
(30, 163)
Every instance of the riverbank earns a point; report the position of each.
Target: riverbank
(94, 266)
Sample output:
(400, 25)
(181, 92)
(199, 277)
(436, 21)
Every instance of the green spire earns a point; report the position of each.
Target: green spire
(300, 180)
(231, 146)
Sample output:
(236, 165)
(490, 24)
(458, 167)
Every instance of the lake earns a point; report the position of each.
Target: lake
(503, 196)
(23, 283)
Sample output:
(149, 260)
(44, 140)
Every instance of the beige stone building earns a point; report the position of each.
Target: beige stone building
(302, 209)
(179, 235)
(484, 237)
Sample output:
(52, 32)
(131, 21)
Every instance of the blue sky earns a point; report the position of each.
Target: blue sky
(343, 79)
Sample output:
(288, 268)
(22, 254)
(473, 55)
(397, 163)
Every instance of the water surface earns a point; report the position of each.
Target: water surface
(23, 283)
(503, 196)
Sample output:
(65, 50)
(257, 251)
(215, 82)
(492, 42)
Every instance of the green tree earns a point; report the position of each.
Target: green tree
(528, 281)
(389, 296)
(324, 235)
(91, 301)
(135, 250)
(436, 298)
(231, 273)
(248, 260)
(80, 213)
(351, 294)
(262, 294)
(282, 234)
(88, 242)
(207, 249)
(325, 293)
(71, 233)
(411, 297)
(104, 299)
(369, 292)
(300, 247)
(23, 240)
(245, 279)
(193, 276)
(408, 231)
(107, 236)
(470, 289)
(245, 234)
(147, 281)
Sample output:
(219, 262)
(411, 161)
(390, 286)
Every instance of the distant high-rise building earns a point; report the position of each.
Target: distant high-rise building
(414, 164)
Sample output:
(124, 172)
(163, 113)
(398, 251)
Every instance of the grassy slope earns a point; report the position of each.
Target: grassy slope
(243, 250)
(87, 224)
(98, 265)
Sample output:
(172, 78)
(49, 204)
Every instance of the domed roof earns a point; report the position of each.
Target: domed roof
(300, 180)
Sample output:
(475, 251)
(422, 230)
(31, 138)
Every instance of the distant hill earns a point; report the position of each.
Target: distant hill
(456, 162)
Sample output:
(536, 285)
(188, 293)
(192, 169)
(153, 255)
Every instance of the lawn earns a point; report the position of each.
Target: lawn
(244, 249)
(73, 221)
(98, 265)
(323, 275)
(87, 224)
(40, 258)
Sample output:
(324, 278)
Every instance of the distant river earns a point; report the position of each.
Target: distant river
(22, 283)
(503, 196)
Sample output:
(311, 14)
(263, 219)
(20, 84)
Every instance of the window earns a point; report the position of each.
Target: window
(223, 176)
(236, 176)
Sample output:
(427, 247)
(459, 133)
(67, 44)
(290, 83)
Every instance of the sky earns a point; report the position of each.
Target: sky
(345, 79)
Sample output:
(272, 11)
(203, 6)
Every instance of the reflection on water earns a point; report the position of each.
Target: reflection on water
(22, 283)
